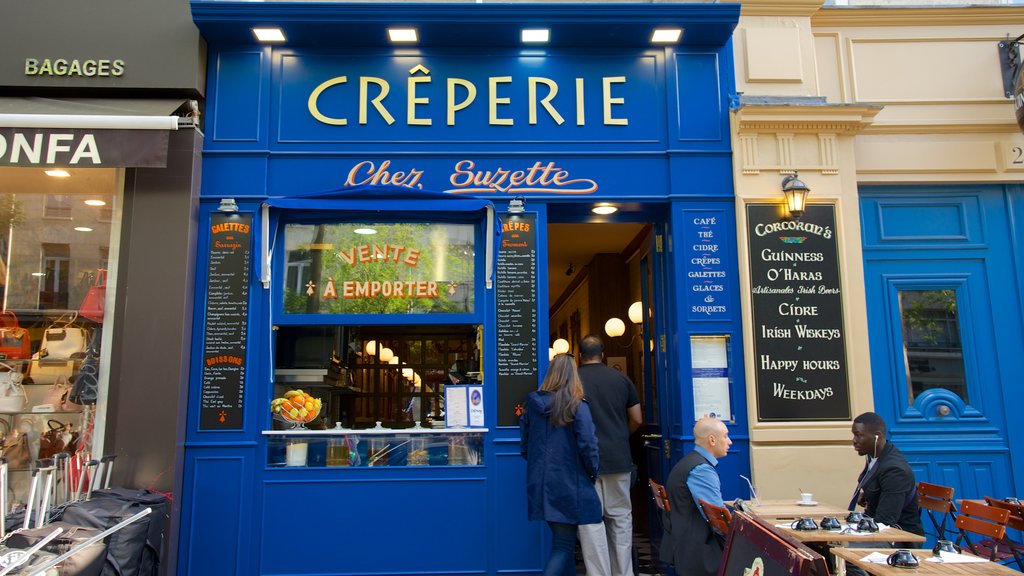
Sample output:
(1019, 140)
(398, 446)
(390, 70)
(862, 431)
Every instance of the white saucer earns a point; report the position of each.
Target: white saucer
(802, 503)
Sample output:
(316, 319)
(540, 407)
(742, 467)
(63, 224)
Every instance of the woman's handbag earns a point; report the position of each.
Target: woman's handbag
(16, 450)
(86, 387)
(56, 398)
(12, 393)
(63, 339)
(56, 439)
(95, 298)
(15, 342)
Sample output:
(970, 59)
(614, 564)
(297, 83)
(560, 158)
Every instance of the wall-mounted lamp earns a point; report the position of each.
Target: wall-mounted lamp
(796, 195)
(636, 312)
(370, 348)
(227, 205)
(386, 354)
(516, 206)
(614, 327)
(560, 346)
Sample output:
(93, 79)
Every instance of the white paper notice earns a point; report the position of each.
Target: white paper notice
(710, 360)
(456, 407)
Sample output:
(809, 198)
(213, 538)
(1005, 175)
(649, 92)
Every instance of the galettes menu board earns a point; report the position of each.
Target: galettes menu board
(227, 314)
(516, 284)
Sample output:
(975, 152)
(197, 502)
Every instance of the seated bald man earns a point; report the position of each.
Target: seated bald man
(691, 545)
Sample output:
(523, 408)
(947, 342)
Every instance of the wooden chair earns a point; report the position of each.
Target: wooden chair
(1015, 521)
(718, 516)
(660, 496)
(985, 521)
(937, 501)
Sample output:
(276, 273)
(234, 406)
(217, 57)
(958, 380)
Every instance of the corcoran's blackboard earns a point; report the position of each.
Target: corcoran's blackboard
(227, 322)
(799, 339)
(516, 283)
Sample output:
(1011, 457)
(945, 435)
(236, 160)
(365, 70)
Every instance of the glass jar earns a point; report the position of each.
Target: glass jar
(296, 453)
(377, 454)
(458, 454)
(337, 452)
(418, 454)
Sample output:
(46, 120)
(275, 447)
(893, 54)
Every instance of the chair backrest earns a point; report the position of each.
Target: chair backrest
(1016, 519)
(937, 501)
(660, 496)
(983, 520)
(718, 516)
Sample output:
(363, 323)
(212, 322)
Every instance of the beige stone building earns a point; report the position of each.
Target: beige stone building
(897, 116)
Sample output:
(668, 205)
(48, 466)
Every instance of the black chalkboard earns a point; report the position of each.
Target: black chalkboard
(799, 339)
(516, 285)
(227, 322)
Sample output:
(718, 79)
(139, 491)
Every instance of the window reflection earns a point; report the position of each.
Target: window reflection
(932, 347)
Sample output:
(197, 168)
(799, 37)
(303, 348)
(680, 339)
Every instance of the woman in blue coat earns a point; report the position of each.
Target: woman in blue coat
(558, 441)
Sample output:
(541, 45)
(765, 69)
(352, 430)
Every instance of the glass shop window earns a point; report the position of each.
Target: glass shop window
(58, 244)
(379, 268)
(395, 375)
(931, 342)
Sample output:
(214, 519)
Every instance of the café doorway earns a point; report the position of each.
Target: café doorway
(597, 269)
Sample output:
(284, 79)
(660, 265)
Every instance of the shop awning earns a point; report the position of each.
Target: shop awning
(96, 113)
(378, 201)
(90, 132)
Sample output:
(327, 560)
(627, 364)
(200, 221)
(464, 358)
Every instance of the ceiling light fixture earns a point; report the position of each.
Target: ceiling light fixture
(535, 35)
(83, 229)
(269, 34)
(95, 202)
(402, 35)
(604, 208)
(365, 231)
(57, 173)
(227, 205)
(666, 35)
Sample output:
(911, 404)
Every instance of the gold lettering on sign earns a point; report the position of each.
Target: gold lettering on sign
(470, 96)
(493, 100)
(414, 101)
(609, 101)
(546, 101)
(315, 95)
(382, 93)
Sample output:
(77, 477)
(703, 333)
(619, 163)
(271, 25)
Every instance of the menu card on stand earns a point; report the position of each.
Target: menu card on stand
(227, 314)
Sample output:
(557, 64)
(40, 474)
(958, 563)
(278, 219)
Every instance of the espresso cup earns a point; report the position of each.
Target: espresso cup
(945, 546)
(854, 517)
(830, 523)
(806, 497)
(902, 559)
(867, 524)
(804, 523)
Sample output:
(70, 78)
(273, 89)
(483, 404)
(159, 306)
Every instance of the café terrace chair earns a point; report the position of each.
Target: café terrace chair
(937, 501)
(660, 496)
(1015, 521)
(985, 521)
(718, 516)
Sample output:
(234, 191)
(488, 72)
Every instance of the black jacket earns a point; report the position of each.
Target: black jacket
(891, 491)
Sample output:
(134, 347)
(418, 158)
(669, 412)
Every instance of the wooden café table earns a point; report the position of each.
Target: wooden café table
(838, 538)
(792, 509)
(925, 568)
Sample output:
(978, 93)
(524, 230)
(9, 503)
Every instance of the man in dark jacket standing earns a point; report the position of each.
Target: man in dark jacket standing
(608, 546)
(690, 544)
(886, 486)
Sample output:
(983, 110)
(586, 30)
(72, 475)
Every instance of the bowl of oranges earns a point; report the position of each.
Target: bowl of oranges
(296, 407)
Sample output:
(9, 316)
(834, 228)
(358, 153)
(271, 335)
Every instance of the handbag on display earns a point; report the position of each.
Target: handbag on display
(86, 382)
(12, 393)
(16, 450)
(15, 342)
(49, 371)
(57, 438)
(62, 339)
(56, 398)
(95, 298)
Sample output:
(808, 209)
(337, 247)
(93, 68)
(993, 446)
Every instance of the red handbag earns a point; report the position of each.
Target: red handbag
(95, 298)
(15, 342)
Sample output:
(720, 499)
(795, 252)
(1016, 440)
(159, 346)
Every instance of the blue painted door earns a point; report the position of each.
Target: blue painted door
(944, 321)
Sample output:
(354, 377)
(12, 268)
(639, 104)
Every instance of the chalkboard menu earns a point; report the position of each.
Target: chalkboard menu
(705, 245)
(227, 321)
(799, 340)
(516, 285)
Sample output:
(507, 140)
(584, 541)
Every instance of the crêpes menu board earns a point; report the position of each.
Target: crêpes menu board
(799, 339)
(227, 322)
(516, 285)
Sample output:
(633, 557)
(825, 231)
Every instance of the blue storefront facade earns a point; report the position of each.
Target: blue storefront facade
(335, 131)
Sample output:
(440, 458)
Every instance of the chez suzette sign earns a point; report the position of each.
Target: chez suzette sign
(466, 178)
